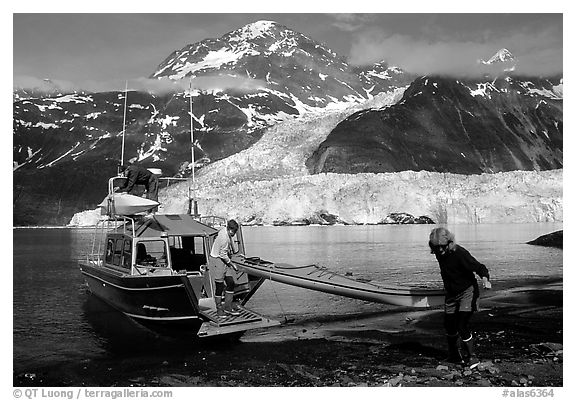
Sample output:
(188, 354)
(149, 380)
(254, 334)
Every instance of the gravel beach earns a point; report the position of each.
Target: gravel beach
(518, 332)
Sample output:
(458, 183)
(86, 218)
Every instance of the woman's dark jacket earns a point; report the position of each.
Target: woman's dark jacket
(457, 268)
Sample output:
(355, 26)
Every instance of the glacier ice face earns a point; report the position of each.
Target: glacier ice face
(510, 197)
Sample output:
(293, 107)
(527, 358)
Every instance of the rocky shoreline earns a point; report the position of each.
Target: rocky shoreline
(518, 335)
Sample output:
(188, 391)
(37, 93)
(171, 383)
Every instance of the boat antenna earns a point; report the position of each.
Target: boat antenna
(124, 122)
(192, 204)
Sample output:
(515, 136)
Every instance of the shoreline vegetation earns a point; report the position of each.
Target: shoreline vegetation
(518, 330)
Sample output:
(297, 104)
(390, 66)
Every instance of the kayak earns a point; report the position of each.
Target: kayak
(126, 204)
(319, 278)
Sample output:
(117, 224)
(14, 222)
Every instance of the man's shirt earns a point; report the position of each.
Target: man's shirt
(221, 246)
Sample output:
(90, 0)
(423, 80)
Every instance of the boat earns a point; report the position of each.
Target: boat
(319, 278)
(155, 269)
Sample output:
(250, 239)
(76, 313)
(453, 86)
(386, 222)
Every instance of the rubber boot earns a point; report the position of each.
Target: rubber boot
(228, 297)
(219, 310)
(468, 353)
(453, 353)
(236, 306)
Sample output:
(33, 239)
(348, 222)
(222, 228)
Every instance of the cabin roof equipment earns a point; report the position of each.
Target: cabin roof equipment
(172, 225)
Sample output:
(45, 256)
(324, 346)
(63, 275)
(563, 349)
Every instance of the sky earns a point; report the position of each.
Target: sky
(101, 51)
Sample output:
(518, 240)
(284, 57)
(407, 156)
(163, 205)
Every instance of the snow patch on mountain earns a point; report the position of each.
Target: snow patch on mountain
(212, 60)
(59, 158)
(75, 98)
(156, 151)
(253, 30)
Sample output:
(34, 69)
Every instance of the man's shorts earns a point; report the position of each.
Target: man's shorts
(466, 301)
(219, 270)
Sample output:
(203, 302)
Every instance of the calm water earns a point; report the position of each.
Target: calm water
(57, 321)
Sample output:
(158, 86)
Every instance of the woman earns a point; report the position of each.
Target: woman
(457, 267)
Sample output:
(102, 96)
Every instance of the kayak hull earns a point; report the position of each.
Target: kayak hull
(320, 279)
(126, 204)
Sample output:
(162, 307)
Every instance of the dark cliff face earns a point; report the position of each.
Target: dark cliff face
(445, 125)
(65, 151)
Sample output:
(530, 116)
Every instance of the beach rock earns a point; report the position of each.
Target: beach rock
(547, 348)
(405, 218)
(493, 370)
(395, 381)
(484, 365)
(174, 380)
(554, 239)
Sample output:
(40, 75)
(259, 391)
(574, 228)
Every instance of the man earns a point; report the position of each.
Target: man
(457, 267)
(136, 175)
(224, 269)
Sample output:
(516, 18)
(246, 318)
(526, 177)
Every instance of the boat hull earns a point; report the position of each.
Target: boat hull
(163, 301)
(320, 279)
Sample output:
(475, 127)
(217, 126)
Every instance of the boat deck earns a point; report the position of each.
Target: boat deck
(229, 324)
(225, 320)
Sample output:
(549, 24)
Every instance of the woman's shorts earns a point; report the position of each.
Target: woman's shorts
(219, 270)
(466, 301)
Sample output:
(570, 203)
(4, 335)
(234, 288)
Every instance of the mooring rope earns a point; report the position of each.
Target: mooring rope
(286, 320)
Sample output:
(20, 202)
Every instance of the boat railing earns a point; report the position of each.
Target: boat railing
(212, 220)
(117, 180)
(112, 184)
(105, 225)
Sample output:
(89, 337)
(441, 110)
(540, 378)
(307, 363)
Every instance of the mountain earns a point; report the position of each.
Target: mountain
(445, 125)
(501, 56)
(244, 82)
(295, 70)
(259, 95)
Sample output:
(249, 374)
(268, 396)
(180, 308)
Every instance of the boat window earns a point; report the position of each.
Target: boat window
(117, 252)
(194, 244)
(127, 255)
(151, 253)
(187, 253)
(109, 250)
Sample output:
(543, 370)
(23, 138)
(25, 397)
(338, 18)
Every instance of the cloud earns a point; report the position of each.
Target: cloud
(536, 53)
(156, 86)
(44, 85)
(351, 22)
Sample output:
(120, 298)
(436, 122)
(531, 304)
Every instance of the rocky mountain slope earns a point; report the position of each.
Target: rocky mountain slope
(242, 83)
(446, 125)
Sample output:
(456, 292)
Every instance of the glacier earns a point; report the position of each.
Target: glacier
(269, 183)
(507, 197)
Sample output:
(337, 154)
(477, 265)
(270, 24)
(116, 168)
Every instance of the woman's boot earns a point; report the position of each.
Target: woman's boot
(453, 353)
(219, 310)
(228, 297)
(468, 353)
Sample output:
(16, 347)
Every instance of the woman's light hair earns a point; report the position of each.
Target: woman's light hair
(442, 237)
